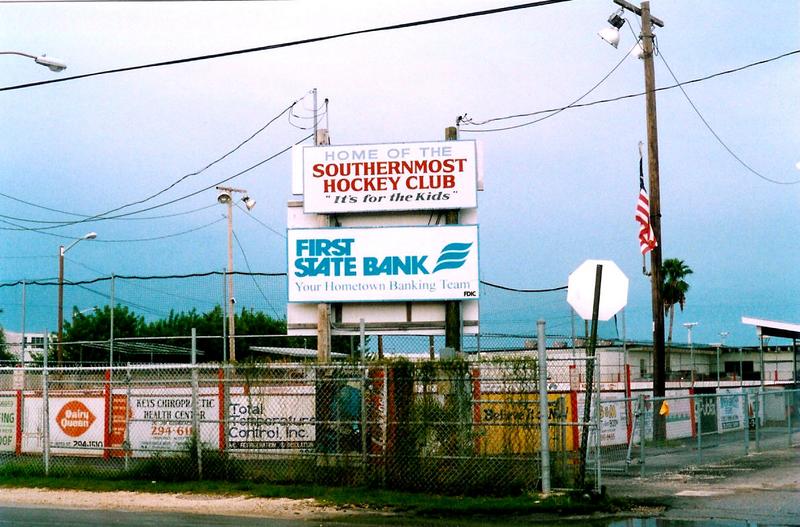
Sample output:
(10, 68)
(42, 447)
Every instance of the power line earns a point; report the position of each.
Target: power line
(52, 281)
(251, 216)
(639, 94)
(516, 290)
(153, 207)
(159, 217)
(555, 112)
(49, 282)
(404, 25)
(247, 263)
(717, 137)
(164, 237)
(105, 215)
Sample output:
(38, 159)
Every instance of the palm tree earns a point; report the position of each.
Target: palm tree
(673, 291)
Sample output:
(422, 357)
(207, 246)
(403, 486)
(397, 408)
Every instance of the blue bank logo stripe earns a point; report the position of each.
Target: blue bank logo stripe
(453, 256)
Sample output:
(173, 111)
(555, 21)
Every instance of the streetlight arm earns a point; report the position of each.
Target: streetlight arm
(53, 64)
(87, 236)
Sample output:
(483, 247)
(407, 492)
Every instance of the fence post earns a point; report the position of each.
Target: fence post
(642, 419)
(543, 408)
(746, 421)
(364, 388)
(756, 412)
(195, 420)
(698, 412)
(126, 443)
(788, 416)
(45, 407)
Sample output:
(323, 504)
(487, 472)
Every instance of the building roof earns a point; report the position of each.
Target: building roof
(773, 328)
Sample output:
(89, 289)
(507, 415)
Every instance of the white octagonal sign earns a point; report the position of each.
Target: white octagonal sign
(613, 289)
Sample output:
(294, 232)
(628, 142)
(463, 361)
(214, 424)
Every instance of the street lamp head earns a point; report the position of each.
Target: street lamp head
(249, 202)
(51, 63)
(90, 235)
(224, 197)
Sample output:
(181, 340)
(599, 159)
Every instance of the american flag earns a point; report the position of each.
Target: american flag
(647, 238)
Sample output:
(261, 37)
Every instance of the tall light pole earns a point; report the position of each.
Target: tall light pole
(657, 301)
(689, 326)
(48, 62)
(722, 336)
(226, 198)
(61, 252)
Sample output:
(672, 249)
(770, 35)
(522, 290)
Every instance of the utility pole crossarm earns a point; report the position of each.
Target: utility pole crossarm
(636, 10)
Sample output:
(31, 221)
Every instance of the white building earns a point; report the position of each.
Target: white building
(34, 344)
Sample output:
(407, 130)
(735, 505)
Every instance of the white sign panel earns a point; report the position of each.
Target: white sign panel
(281, 420)
(76, 425)
(163, 421)
(383, 264)
(387, 177)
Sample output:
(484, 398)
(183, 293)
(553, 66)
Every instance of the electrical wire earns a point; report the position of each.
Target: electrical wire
(164, 237)
(247, 263)
(404, 25)
(716, 135)
(184, 213)
(52, 281)
(554, 112)
(153, 207)
(118, 301)
(105, 214)
(251, 216)
(516, 290)
(639, 94)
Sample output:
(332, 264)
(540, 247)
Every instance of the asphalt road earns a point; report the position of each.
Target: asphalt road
(762, 488)
(49, 517)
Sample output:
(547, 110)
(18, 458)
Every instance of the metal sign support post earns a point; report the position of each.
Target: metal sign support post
(543, 407)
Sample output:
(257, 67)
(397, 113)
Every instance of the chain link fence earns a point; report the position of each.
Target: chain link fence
(454, 426)
(704, 431)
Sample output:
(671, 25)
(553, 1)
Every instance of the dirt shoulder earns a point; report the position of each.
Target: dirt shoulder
(235, 505)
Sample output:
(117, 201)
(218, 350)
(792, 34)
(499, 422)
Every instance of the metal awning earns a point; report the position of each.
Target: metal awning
(773, 328)
(297, 353)
(142, 348)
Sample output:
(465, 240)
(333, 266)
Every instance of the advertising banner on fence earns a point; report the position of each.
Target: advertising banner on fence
(163, 421)
(76, 425)
(613, 418)
(383, 264)
(278, 419)
(8, 424)
(730, 409)
(511, 422)
(386, 177)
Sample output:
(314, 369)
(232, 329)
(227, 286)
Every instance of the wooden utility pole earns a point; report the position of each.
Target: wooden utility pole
(452, 308)
(659, 357)
(321, 138)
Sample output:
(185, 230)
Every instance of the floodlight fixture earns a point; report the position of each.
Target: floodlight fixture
(611, 34)
(249, 202)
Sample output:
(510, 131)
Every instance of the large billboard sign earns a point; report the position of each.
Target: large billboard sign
(387, 177)
(383, 264)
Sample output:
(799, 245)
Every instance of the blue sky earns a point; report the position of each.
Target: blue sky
(557, 192)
